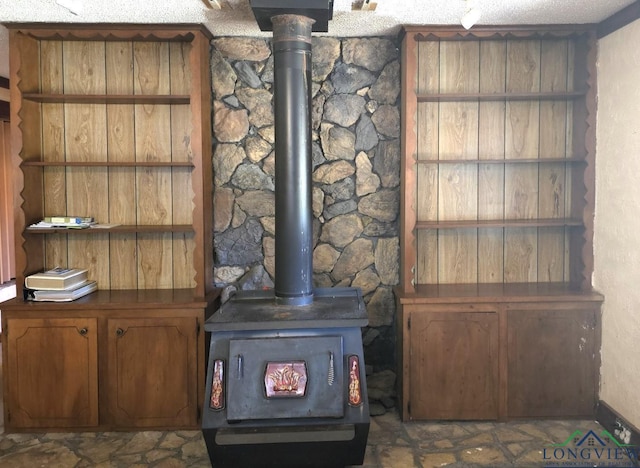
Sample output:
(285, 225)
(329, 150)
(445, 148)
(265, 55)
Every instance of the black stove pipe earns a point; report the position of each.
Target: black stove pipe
(293, 195)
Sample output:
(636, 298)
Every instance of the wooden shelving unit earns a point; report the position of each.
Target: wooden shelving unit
(113, 123)
(497, 202)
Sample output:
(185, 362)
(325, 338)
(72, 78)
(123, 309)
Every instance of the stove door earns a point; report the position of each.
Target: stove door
(299, 377)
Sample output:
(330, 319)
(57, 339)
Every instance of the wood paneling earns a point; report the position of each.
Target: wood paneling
(123, 253)
(182, 190)
(491, 144)
(521, 142)
(554, 76)
(53, 147)
(427, 133)
(457, 183)
(153, 143)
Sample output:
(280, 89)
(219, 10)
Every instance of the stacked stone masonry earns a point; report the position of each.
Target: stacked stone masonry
(356, 177)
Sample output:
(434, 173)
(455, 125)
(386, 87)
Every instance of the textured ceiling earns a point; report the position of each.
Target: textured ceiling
(239, 21)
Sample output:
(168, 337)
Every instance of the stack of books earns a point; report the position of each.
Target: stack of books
(58, 285)
(67, 222)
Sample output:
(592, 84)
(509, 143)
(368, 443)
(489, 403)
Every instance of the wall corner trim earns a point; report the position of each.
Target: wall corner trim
(619, 19)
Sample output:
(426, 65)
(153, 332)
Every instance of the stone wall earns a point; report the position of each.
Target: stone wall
(356, 176)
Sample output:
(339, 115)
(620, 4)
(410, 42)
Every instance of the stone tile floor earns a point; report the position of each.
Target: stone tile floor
(391, 444)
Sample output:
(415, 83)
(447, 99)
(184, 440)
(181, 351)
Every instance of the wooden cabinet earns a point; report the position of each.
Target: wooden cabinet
(498, 352)
(453, 363)
(497, 202)
(51, 373)
(554, 362)
(140, 366)
(113, 122)
(159, 390)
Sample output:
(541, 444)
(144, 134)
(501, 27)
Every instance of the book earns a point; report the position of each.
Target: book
(46, 225)
(65, 295)
(66, 222)
(63, 220)
(56, 279)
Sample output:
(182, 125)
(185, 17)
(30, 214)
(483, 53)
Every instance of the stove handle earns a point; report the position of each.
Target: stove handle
(331, 374)
(240, 366)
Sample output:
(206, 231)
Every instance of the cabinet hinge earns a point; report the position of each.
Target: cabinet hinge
(409, 324)
(197, 327)
(409, 407)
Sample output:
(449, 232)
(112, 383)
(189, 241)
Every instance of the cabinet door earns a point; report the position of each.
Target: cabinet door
(553, 362)
(152, 372)
(52, 373)
(454, 365)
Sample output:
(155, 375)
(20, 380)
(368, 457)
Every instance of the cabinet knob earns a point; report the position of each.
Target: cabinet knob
(119, 332)
(83, 331)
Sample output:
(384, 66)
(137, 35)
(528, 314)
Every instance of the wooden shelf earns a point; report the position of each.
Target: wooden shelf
(117, 298)
(121, 229)
(496, 292)
(477, 97)
(498, 223)
(188, 164)
(501, 161)
(107, 98)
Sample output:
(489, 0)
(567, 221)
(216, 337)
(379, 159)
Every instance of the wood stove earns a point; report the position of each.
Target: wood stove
(286, 385)
(285, 381)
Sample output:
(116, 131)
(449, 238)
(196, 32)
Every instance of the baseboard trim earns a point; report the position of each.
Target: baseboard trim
(607, 418)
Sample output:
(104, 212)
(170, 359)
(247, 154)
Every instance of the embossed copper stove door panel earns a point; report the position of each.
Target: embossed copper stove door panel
(251, 361)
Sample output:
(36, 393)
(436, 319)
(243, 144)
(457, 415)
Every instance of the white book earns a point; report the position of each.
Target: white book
(66, 295)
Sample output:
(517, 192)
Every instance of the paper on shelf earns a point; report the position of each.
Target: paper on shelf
(103, 226)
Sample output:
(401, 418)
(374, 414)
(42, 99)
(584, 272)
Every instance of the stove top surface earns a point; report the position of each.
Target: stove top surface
(258, 310)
